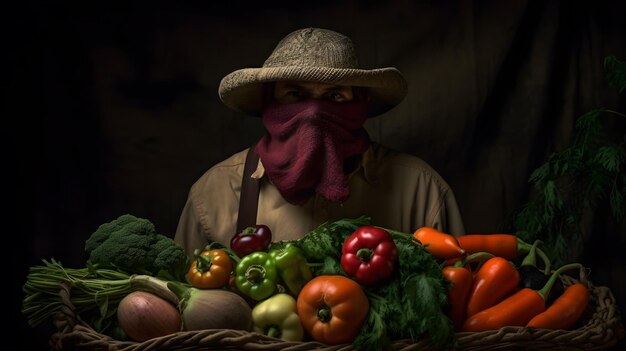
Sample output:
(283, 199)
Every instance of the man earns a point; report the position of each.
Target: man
(316, 162)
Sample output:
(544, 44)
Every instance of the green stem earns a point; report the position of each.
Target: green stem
(255, 274)
(89, 291)
(273, 332)
(324, 314)
(531, 257)
(524, 247)
(155, 286)
(364, 254)
(557, 273)
(397, 235)
(546, 261)
(475, 257)
(203, 262)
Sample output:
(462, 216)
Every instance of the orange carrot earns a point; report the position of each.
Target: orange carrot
(565, 310)
(502, 245)
(506, 246)
(439, 244)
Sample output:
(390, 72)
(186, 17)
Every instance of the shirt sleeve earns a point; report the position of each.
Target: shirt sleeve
(211, 211)
(448, 218)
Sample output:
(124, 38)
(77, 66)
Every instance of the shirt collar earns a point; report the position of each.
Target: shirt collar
(259, 172)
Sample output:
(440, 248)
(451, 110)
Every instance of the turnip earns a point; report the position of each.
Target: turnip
(144, 316)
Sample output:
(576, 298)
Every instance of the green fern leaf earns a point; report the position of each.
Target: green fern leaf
(610, 157)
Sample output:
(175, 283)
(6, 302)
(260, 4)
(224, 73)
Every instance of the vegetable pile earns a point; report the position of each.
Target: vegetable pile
(406, 296)
(489, 290)
(345, 282)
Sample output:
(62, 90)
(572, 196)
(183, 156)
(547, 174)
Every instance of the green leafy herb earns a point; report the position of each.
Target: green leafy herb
(327, 239)
(591, 169)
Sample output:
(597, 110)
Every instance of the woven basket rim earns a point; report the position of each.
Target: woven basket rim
(602, 328)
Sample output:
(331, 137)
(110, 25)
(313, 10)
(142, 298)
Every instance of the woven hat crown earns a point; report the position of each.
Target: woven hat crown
(314, 47)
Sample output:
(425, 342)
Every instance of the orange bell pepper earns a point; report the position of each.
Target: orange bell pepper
(210, 269)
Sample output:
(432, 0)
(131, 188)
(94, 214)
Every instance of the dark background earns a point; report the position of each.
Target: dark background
(113, 109)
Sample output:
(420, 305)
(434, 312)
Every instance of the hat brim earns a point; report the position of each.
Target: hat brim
(241, 89)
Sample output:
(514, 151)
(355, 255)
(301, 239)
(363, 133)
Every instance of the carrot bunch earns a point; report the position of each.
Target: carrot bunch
(487, 291)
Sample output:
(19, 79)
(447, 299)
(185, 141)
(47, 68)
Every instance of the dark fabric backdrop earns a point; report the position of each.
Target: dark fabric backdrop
(114, 108)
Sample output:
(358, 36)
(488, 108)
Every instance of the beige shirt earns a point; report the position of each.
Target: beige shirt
(398, 191)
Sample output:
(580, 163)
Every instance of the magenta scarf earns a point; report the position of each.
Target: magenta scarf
(306, 145)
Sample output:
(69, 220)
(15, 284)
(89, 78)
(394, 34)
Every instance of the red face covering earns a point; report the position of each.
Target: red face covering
(307, 144)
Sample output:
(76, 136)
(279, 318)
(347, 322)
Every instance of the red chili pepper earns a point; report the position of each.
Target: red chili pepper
(565, 310)
(251, 239)
(516, 310)
(495, 279)
(460, 277)
(369, 254)
(458, 291)
(439, 244)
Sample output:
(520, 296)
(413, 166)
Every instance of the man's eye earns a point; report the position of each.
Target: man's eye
(295, 93)
(290, 96)
(334, 96)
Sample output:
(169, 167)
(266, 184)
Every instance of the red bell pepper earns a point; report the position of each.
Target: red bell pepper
(369, 255)
(496, 279)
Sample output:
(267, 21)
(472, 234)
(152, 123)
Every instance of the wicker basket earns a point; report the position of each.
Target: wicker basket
(600, 328)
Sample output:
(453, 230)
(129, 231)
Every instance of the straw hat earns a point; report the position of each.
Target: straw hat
(313, 54)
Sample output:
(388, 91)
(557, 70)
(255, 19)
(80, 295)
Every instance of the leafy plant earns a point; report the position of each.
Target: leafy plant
(590, 170)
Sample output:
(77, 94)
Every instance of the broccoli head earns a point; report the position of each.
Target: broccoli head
(132, 244)
(105, 230)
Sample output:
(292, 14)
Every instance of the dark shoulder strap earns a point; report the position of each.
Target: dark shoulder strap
(249, 197)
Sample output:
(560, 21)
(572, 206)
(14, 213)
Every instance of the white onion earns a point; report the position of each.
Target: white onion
(216, 309)
(144, 316)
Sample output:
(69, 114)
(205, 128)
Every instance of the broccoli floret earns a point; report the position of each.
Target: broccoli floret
(132, 244)
(167, 256)
(104, 231)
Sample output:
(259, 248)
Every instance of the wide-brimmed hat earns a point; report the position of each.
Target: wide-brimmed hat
(313, 54)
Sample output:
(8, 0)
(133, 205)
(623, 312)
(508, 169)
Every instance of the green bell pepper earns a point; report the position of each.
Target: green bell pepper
(256, 275)
(278, 317)
(292, 267)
